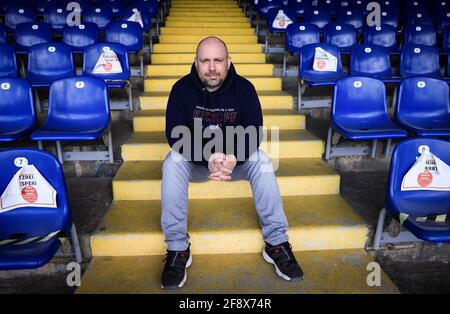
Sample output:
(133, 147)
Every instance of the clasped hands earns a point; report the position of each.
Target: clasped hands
(221, 166)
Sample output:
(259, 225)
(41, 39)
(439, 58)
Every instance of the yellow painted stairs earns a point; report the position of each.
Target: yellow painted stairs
(328, 237)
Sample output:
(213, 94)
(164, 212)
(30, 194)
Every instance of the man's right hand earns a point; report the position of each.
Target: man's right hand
(216, 168)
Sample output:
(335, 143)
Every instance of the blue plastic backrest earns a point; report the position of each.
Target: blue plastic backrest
(416, 203)
(415, 34)
(391, 18)
(41, 5)
(423, 97)
(128, 12)
(126, 33)
(300, 34)
(115, 5)
(81, 36)
(100, 15)
(8, 62)
(50, 62)
(420, 17)
(419, 60)
(15, 15)
(359, 97)
(34, 221)
(152, 6)
(384, 36)
(370, 60)
(92, 54)
(56, 16)
(265, 5)
(307, 53)
(2, 34)
(446, 38)
(297, 7)
(316, 16)
(354, 17)
(79, 102)
(31, 34)
(340, 35)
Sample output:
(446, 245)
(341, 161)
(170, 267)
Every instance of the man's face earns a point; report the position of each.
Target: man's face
(212, 64)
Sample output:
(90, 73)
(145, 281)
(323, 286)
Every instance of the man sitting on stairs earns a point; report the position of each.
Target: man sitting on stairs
(211, 99)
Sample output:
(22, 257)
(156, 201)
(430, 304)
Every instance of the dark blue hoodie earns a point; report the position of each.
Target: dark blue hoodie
(235, 103)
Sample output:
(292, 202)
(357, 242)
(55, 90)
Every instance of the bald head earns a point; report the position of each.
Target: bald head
(212, 62)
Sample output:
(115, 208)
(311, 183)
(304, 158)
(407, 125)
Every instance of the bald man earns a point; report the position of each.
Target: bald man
(210, 101)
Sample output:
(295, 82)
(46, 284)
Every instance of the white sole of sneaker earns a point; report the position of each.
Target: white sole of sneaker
(188, 263)
(268, 259)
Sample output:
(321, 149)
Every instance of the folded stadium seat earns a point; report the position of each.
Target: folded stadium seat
(416, 34)
(384, 35)
(81, 36)
(29, 236)
(277, 19)
(297, 6)
(129, 14)
(31, 34)
(41, 5)
(18, 118)
(3, 39)
(372, 61)
(48, 63)
(92, 62)
(446, 39)
(309, 77)
(443, 19)
(263, 6)
(151, 7)
(354, 17)
(56, 15)
(115, 5)
(340, 35)
(317, 16)
(78, 110)
(298, 35)
(15, 15)
(100, 15)
(437, 7)
(333, 6)
(359, 113)
(423, 107)
(421, 16)
(391, 18)
(8, 62)
(423, 213)
(419, 60)
(128, 34)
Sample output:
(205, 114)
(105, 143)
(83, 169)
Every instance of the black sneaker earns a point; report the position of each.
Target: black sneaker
(174, 274)
(284, 260)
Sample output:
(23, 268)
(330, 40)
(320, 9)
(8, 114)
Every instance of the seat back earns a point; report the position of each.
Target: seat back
(278, 19)
(415, 203)
(419, 60)
(15, 15)
(352, 17)
(128, 12)
(41, 5)
(424, 100)
(49, 62)
(8, 63)
(419, 16)
(264, 6)
(151, 6)
(126, 33)
(29, 222)
(307, 54)
(300, 34)
(100, 15)
(31, 34)
(446, 38)
(370, 60)
(56, 15)
(115, 5)
(343, 36)
(81, 36)
(2, 34)
(384, 35)
(92, 54)
(391, 18)
(415, 34)
(317, 16)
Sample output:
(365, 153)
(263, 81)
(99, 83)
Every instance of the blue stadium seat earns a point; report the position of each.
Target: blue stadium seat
(128, 12)
(15, 15)
(356, 18)
(3, 39)
(419, 60)
(443, 18)
(437, 7)
(31, 34)
(100, 15)
(29, 235)
(332, 6)
(317, 16)
(297, 6)
(299, 35)
(419, 17)
(279, 27)
(416, 210)
(264, 6)
(78, 110)
(41, 5)
(48, 63)
(8, 62)
(372, 61)
(120, 80)
(81, 36)
(342, 36)
(17, 115)
(384, 35)
(152, 6)
(415, 34)
(56, 16)
(359, 112)
(115, 5)
(391, 18)
(423, 107)
(446, 38)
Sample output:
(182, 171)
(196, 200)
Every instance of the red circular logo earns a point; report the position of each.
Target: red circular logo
(321, 64)
(29, 194)
(107, 67)
(282, 23)
(425, 178)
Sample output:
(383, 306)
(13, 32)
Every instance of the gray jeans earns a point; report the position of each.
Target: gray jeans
(258, 170)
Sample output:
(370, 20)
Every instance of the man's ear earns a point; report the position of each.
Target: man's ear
(195, 62)
(229, 62)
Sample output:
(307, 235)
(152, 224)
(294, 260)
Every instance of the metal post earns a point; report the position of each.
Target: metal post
(59, 152)
(266, 47)
(299, 95)
(110, 147)
(379, 231)
(141, 60)
(37, 101)
(328, 145)
(387, 150)
(130, 96)
(374, 149)
(284, 63)
(40, 145)
(76, 244)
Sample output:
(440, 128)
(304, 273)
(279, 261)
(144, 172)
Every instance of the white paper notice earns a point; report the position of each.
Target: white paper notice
(281, 21)
(324, 61)
(136, 17)
(108, 63)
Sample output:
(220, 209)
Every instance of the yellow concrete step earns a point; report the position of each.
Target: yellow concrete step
(209, 24)
(334, 272)
(285, 119)
(268, 99)
(205, 9)
(164, 84)
(285, 144)
(323, 222)
(187, 39)
(218, 31)
(204, 5)
(179, 58)
(203, 14)
(191, 48)
(207, 19)
(249, 69)
(141, 180)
